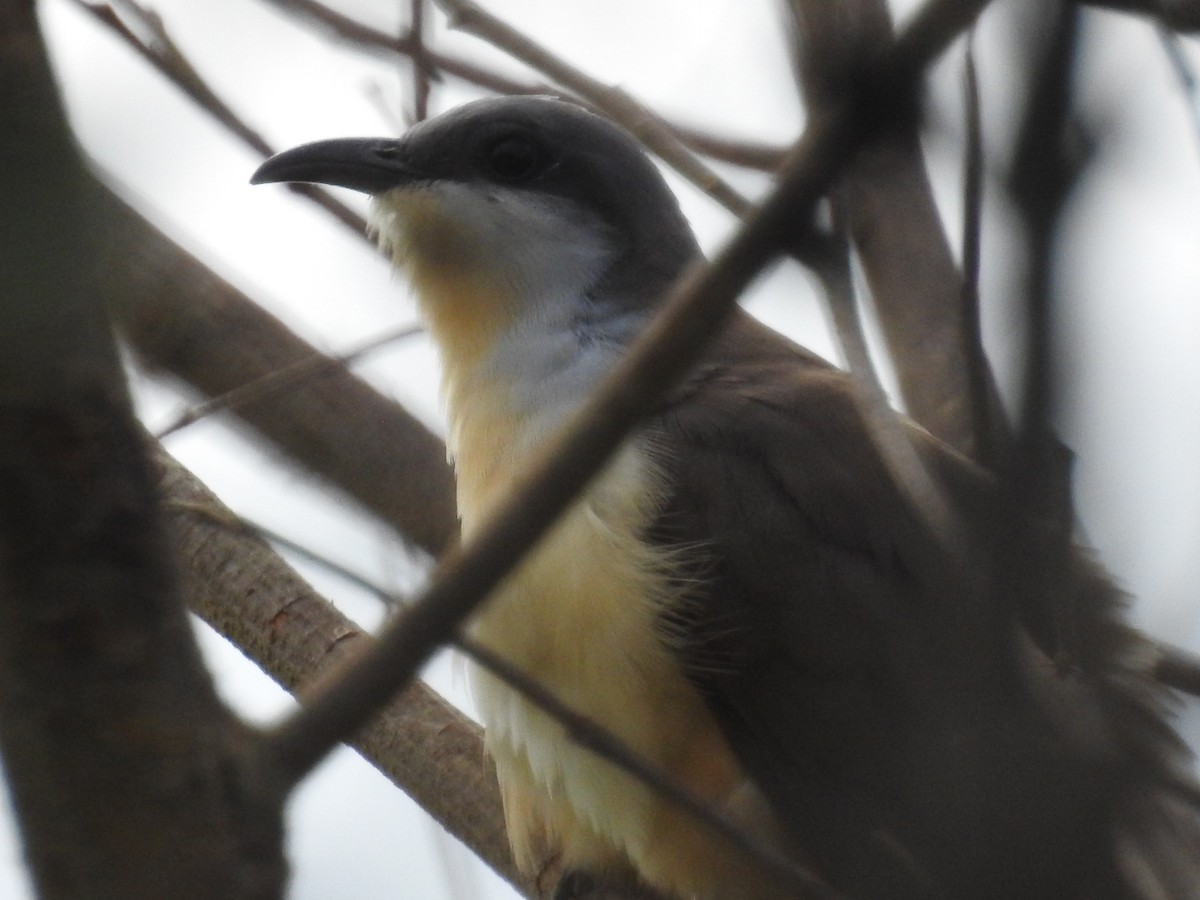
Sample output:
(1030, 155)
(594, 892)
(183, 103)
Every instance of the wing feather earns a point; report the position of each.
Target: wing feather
(917, 742)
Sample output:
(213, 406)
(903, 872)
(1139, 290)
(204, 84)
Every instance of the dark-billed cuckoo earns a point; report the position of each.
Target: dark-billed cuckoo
(743, 596)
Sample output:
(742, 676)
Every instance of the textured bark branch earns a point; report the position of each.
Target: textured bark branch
(183, 319)
(170, 61)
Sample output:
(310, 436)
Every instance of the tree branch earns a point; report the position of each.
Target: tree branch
(619, 106)
(289, 378)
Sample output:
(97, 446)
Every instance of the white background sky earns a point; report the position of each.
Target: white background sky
(1130, 291)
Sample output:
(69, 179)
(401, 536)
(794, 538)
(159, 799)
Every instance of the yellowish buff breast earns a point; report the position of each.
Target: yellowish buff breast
(582, 615)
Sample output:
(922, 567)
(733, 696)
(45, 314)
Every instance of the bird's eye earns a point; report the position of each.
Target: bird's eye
(514, 158)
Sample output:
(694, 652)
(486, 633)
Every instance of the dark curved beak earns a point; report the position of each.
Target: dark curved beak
(370, 165)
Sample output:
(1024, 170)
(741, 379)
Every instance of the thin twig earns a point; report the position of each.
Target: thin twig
(599, 740)
(273, 383)
(748, 154)
(693, 315)
(886, 201)
(887, 430)
(829, 45)
(422, 71)
(640, 121)
(162, 53)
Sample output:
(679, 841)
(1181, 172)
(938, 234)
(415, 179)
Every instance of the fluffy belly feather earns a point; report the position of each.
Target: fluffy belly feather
(583, 616)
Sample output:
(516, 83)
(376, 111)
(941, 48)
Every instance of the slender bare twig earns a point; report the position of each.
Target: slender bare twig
(887, 430)
(886, 201)
(748, 154)
(1035, 469)
(604, 743)
(160, 51)
(693, 314)
(744, 153)
(423, 71)
(828, 47)
(289, 376)
(613, 102)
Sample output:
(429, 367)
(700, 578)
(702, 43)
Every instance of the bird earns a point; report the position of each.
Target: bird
(744, 596)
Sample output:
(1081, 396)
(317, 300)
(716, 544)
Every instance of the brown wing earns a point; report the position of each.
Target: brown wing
(903, 731)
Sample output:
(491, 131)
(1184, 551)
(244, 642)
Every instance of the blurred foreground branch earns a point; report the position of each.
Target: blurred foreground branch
(123, 766)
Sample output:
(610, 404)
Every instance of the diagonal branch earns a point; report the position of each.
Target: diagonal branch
(425, 746)
(165, 56)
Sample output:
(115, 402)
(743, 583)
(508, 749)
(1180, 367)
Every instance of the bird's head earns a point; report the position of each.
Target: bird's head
(508, 209)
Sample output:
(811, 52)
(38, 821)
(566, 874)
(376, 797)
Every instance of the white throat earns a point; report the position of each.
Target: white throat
(507, 282)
